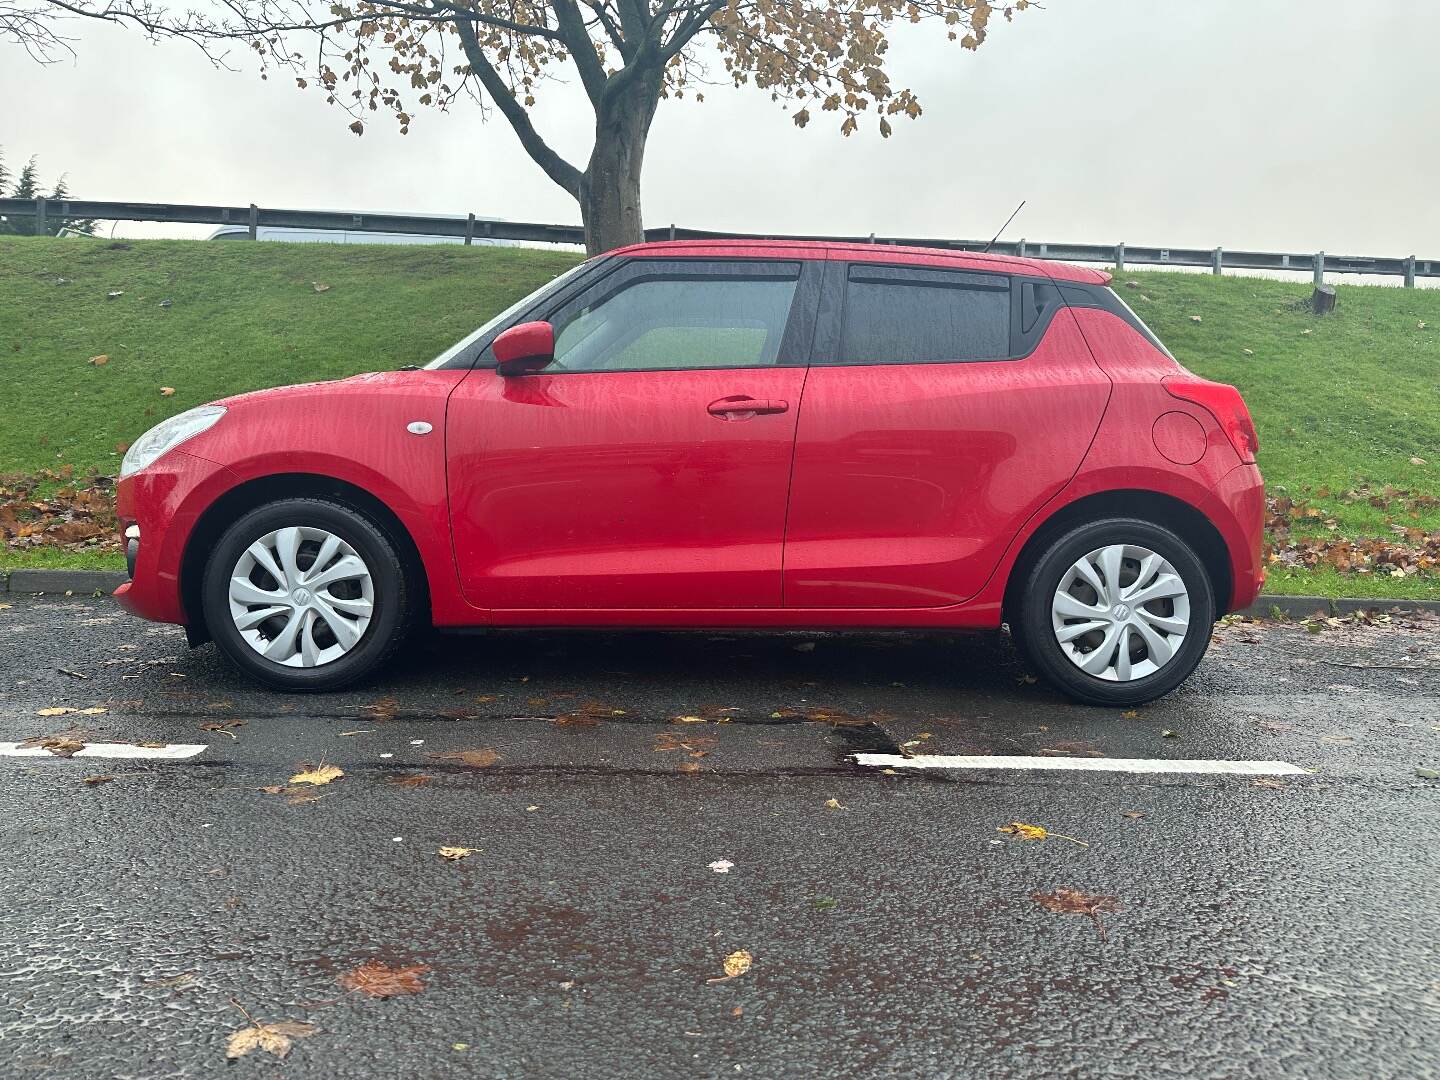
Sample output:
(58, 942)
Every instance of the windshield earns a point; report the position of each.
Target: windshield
(504, 316)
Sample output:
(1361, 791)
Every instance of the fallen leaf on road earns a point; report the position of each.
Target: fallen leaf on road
(272, 1038)
(834, 804)
(687, 720)
(1023, 831)
(58, 711)
(72, 674)
(722, 866)
(1074, 902)
(357, 731)
(380, 980)
(1167, 733)
(1268, 782)
(418, 780)
(1428, 774)
(476, 759)
(736, 964)
(1035, 832)
(1133, 814)
(93, 780)
(455, 853)
(321, 774)
(1130, 714)
(824, 903)
(59, 745)
(223, 727)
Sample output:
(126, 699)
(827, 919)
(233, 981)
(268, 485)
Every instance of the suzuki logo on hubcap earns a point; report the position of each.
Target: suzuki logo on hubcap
(1120, 611)
(301, 596)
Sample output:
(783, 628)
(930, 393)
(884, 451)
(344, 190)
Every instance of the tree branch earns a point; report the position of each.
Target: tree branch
(556, 167)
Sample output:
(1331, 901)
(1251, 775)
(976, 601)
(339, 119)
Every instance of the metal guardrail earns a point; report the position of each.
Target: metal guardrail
(470, 228)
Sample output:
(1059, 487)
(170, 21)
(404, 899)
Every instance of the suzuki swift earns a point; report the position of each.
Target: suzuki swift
(726, 434)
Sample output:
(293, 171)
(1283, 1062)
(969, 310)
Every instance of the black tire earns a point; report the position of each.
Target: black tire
(390, 616)
(1034, 633)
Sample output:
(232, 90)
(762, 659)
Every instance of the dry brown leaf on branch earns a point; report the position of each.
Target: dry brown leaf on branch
(380, 980)
(1073, 902)
(736, 964)
(321, 774)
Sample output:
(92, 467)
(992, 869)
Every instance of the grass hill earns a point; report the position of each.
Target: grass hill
(1348, 405)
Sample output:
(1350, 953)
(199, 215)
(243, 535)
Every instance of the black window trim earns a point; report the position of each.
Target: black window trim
(1023, 339)
(795, 340)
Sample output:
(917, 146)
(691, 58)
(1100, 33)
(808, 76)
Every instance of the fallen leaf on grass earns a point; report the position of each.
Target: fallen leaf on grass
(454, 854)
(321, 774)
(319, 286)
(1417, 461)
(476, 759)
(100, 361)
(1074, 902)
(380, 980)
(736, 964)
(167, 391)
(272, 1038)
(59, 745)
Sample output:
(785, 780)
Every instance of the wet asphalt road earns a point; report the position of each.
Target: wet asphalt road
(1281, 928)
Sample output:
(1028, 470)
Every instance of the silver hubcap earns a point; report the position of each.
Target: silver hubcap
(301, 597)
(1121, 613)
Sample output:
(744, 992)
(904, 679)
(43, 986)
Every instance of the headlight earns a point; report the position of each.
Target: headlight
(167, 435)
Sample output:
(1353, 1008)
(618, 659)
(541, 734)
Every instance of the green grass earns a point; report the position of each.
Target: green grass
(54, 558)
(242, 317)
(1345, 406)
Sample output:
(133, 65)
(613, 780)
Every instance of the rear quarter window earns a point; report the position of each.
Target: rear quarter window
(920, 316)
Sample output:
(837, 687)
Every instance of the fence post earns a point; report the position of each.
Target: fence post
(1217, 261)
(1120, 257)
(40, 229)
(1021, 249)
(672, 230)
(254, 221)
(1410, 272)
(469, 229)
(1319, 268)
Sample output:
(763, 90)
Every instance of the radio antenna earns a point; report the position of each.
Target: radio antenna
(1011, 218)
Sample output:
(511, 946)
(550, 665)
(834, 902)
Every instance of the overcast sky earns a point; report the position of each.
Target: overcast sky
(1246, 123)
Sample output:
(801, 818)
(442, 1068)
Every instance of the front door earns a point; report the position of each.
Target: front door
(648, 466)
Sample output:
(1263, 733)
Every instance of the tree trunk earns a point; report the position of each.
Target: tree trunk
(610, 187)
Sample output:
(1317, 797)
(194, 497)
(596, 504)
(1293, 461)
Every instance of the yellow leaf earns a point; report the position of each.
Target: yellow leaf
(59, 710)
(687, 720)
(323, 774)
(455, 853)
(167, 391)
(94, 710)
(101, 360)
(1023, 831)
(834, 804)
(736, 964)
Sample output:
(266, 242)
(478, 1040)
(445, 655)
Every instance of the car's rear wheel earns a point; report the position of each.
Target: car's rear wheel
(1116, 612)
(306, 594)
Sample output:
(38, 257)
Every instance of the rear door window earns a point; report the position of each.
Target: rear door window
(896, 315)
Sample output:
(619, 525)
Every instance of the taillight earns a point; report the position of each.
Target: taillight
(1223, 402)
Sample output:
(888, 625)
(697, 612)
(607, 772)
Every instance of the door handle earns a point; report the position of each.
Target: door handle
(742, 408)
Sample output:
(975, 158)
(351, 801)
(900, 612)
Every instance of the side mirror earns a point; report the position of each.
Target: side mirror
(524, 349)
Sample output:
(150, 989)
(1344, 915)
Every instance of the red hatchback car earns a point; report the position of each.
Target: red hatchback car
(725, 433)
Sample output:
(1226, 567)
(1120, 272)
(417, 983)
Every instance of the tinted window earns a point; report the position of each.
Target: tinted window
(650, 316)
(895, 316)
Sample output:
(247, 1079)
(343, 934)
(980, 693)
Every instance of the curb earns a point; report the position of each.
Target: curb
(87, 582)
(77, 582)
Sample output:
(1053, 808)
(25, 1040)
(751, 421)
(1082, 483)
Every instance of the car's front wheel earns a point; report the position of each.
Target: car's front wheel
(305, 594)
(1116, 612)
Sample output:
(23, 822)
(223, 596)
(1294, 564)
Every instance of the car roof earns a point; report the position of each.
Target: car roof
(740, 247)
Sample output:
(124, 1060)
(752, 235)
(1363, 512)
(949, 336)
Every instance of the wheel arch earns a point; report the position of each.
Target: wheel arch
(243, 498)
(1181, 518)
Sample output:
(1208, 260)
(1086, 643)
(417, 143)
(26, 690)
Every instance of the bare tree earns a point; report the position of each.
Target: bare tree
(397, 56)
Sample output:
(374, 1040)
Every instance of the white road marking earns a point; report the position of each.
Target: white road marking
(169, 752)
(1136, 765)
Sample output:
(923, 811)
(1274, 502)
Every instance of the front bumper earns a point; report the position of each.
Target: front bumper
(158, 508)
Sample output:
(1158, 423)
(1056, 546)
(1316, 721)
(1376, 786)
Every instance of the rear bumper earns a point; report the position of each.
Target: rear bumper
(1243, 493)
(158, 508)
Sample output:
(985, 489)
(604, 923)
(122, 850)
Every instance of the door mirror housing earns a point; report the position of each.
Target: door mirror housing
(524, 349)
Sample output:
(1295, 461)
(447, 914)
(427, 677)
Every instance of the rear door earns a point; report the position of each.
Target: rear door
(943, 407)
(648, 466)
